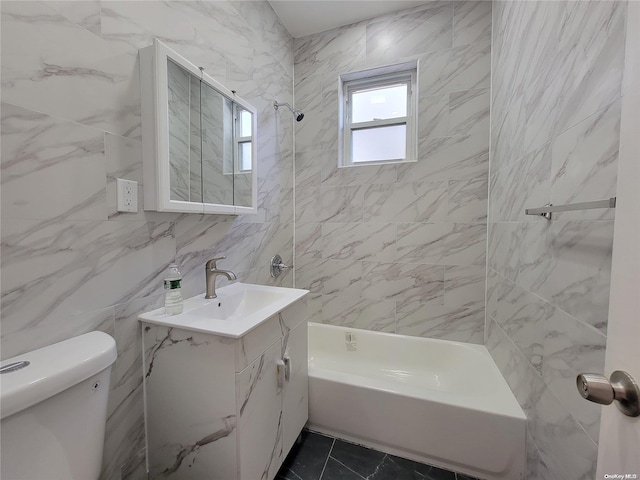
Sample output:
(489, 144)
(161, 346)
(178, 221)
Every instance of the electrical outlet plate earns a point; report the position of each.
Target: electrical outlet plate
(127, 195)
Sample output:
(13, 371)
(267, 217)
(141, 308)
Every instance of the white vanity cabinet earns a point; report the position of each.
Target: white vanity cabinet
(225, 408)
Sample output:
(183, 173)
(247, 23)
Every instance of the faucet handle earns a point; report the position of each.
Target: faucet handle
(211, 264)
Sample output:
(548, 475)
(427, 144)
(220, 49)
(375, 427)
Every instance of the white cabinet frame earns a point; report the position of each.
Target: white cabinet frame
(155, 134)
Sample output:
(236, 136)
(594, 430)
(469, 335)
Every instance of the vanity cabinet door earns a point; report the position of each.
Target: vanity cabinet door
(295, 397)
(258, 403)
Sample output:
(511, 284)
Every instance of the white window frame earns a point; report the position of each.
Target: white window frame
(238, 141)
(371, 79)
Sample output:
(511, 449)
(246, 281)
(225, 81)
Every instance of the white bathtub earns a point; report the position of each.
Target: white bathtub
(434, 401)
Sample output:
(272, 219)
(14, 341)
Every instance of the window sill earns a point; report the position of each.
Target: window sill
(377, 163)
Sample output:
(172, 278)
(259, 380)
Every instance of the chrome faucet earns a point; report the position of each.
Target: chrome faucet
(212, 272)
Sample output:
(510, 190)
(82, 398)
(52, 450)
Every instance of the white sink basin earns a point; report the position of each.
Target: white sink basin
(239, 308)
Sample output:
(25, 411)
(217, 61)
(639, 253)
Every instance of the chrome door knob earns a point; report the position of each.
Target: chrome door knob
(620, 387)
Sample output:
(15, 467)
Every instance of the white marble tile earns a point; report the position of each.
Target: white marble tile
(55, 329)
(314, 303)
(580, 274)
(125, 430)
(200, 34)
(464, 287)
(471, 22)
(355, 312)
(455, 69)
(308, 206)
(136, 467)
(86, 13)
(276, 204)
(416, 33)
(47, 60)
(591, 41)
(327, 277)
(308, 240)
(522, 317)
(263, 277)
(335, 51)
(494, 282)
(503, 252)
(308, 94)
(276, 171)
(412, 202)
(507, 130)
(359, 241)
(51, 169)
(433, 116)
(536, 467)
(449, 158)
(342, 203)
(521, 185)
(532, 88)
(469, 112)
(308, 168)
(257, 20)
(523, 380)
(467, 200)
(70, 267)
(571, 346)
(534, 262)
(355, 175)
(406, 282)
(584, 163)
(272, 239)
(127, 334)
(442, 243)
(446, 323)
(319, 128)
(566, 448)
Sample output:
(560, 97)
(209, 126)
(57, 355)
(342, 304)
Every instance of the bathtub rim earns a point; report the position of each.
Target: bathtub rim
(509, 406)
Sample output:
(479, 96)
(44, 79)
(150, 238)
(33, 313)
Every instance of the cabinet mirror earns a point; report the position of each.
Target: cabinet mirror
(199, 144)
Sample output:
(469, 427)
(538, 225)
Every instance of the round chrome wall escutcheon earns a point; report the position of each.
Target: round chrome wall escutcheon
(277, 266)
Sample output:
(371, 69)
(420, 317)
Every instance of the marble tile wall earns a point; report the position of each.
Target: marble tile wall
(555, 120)
(398, 248)
(71, 126)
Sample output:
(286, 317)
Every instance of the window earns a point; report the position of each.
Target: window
(243, 140)
(378, 115)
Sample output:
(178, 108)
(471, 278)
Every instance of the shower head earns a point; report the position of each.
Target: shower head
(296, 113)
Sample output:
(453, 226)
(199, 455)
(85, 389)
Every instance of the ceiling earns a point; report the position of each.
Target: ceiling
(305, 17)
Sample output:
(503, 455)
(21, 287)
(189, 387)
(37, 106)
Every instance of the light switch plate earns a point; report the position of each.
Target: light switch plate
(127, 195)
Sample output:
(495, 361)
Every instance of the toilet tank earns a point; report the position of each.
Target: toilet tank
(54, 410)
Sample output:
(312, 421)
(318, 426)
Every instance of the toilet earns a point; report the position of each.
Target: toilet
(53, 404)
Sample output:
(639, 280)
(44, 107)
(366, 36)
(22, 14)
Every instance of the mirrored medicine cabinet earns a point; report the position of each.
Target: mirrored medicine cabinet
(198, 139)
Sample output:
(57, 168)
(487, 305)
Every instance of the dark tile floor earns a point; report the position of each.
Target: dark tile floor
(319, 457)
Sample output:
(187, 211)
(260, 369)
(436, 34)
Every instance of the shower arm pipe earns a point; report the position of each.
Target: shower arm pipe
(296, 113)
(277, 104)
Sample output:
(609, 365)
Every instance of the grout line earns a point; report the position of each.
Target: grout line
(485, 330)
(539, 297)
(352, 471)
(327, 459)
